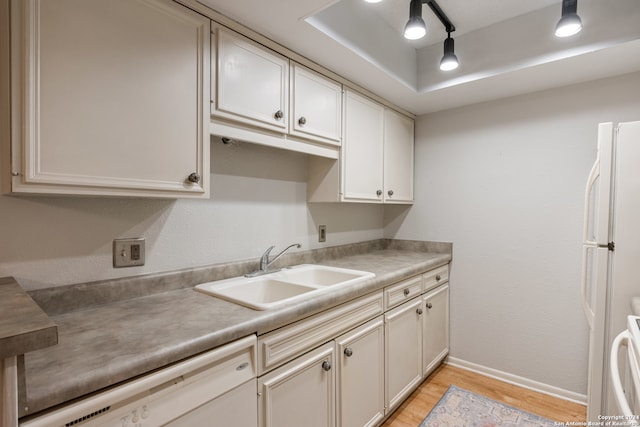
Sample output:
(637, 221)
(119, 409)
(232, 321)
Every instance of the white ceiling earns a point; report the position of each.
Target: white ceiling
(505, 47)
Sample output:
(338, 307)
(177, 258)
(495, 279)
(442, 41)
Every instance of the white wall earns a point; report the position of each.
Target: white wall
(258, 199)
(504, 182)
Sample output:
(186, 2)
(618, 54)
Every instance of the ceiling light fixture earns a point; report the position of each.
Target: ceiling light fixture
(415, 28)
(569, 23)
(373, 1)
(449, 59)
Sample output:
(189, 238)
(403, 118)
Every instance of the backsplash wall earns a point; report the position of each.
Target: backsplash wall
(258, 199)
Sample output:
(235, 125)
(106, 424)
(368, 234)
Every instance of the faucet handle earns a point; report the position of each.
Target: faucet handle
(269, 249)
(264, 259)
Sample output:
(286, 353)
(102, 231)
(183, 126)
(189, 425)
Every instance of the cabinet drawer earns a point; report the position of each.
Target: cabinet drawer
(284, 344)
(436, 277)
(402, 291)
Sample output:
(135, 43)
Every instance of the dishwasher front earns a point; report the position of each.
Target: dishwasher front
(216, 388)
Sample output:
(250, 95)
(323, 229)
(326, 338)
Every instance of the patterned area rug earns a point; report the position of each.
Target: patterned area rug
(462, 408)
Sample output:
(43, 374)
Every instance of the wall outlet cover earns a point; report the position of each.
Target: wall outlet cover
(128, 252)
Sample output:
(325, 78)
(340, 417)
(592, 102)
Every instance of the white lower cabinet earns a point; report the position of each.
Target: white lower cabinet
(357, 362)
(403, 351)
(360, 387)
(435, 345)
(301, 392)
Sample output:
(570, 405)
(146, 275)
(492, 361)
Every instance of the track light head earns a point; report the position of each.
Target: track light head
(415, 28)
(449, 59)
(569, 23)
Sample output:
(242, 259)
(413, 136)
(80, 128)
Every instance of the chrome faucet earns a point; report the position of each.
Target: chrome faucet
(265, 262)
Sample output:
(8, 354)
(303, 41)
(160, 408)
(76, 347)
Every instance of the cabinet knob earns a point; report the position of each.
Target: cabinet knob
(406, 292)
(348, 352)
(419, 311)
(390, 193)
(194, 177)
(438, 277)
(326, 365)
(379, 193)
(302, 121)
(279, 114)
(429, 305)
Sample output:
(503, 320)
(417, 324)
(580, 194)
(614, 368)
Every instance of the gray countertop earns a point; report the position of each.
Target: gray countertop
(106, 344)
(24, 327)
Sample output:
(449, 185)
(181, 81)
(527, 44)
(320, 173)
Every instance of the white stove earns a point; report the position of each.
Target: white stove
(627, 388)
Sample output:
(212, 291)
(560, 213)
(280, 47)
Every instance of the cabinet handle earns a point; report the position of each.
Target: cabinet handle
(419, 311)
(406, 292)
(429, 305)
(348, 352)
(279, 114)
(194, 178)
(438, 278)
(326, 365)
(302, 121)
(379, 193)
(390, 193)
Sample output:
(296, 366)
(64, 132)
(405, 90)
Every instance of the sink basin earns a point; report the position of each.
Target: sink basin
(319, 275)
(284, 286)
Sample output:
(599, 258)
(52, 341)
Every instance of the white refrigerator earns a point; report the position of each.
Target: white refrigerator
(611, 253)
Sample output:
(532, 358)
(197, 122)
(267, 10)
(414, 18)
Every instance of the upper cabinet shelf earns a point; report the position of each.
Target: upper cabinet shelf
(109, 98)
(260, 96)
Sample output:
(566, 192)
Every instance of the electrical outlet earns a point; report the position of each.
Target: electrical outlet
(322, 233)
(128, 252)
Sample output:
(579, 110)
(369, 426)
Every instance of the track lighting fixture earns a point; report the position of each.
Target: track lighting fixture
(416, 29)
(569, 23)
(449, 59)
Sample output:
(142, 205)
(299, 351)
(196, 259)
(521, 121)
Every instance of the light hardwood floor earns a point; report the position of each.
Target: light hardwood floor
(417, 406)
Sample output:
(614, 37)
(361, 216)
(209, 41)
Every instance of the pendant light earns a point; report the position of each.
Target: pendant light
(415, 28)
(569, 23)
(449, 59)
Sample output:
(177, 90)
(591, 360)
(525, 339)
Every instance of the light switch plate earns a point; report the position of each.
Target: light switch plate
(128, 252)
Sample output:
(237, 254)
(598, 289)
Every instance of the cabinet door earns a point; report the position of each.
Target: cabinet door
(115, 98)
(436, 327)
(316, 106)
(362, 149)
(398, 158)
(252, 83)
(360, 392)
(403, 347)
(301, 392)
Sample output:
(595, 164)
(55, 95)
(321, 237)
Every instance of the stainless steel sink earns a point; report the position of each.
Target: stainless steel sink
(282, 287)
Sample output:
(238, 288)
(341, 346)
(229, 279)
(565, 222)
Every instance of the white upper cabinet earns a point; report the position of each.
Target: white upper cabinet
(252, 83)
(362, 150)
(262, 97)
(316, 106)
(376, 162)
(398, 158)
(110, 98)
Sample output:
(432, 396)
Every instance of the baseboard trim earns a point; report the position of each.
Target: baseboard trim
(518, 381)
